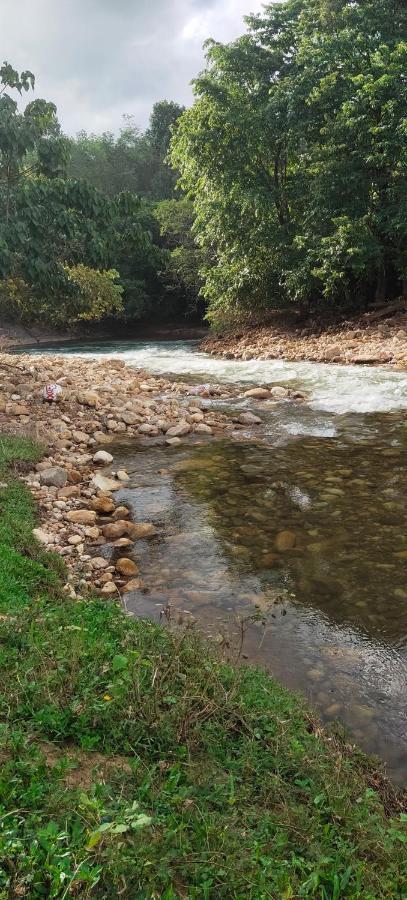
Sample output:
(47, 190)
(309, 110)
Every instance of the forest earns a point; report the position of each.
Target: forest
(283, 186)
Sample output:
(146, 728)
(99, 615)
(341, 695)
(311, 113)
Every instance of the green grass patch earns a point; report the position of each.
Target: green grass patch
(135, 763)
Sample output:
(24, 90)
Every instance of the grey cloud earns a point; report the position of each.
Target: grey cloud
(99, 59)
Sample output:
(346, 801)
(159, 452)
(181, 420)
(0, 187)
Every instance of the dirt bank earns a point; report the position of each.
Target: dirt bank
(371, 339)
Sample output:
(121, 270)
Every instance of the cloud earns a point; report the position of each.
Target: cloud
(99, 59)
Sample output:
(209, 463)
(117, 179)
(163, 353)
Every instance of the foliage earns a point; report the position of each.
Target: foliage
(134, 161)
(181, 274)
(52, 224)
(295, 155)
(99, 292)
(136, 763)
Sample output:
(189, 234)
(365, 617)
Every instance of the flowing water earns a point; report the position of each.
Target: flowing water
(329, 615)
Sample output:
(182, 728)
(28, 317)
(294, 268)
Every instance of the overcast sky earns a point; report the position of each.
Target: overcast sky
(99, 59)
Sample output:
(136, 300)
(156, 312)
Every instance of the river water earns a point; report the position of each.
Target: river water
(329, 615)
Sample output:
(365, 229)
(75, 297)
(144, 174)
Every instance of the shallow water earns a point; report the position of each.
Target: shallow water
(336, 388)
(329, 615)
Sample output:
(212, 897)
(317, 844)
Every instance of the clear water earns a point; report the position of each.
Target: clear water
(329, 615)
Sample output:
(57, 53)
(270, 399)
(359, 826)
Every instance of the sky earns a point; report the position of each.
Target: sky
(100, 59)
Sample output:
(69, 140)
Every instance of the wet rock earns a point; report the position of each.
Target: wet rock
(135, 584)
(172, 442)
(279, 393)
(103, 458)
(54, 476)
(82, 516)
(257, 393)
(98, 562)
(122, 475)
(248, 418)
(141, 530)
(126, 566)
(121, 512)
(123, 542)
(285, 540)
(115, 530)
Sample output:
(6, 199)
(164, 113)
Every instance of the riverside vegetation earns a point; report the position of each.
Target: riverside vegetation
(136, 763)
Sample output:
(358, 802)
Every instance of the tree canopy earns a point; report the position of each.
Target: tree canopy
(295, 156)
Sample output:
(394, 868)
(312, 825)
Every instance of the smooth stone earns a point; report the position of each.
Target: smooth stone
(82, 516)
(126, 566)
(109, 588)
(141, 530)
(178, 430)
(122, 475)
(248, 418)
(103, 457)
(258, 393)
(115, 530)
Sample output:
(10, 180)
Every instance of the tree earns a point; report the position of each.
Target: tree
(295, 156)
(60, 237)
(181, 273)
(133, 161)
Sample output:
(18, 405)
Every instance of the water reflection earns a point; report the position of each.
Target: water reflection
(330, 611)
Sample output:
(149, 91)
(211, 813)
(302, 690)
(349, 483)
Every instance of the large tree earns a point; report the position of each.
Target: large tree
(295, 155)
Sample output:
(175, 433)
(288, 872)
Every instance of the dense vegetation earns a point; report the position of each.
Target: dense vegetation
(135, 763)
(79, 238)
(291, 191)
(295, 156)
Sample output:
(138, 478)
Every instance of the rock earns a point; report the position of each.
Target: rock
(178, 430)
(248, 418)
(104, 505)
(279, 393)
(201, 428)
(102, 483)
(126, 566)
(285, 540)
(172, 442)
(136, 584)
(141, 530)
(148, 429)
(54, 476)
(98, 562)
(80, 437)
(82, 516)
(103, 457)
(258, 393)
(113, 425)
(44, 537)
(88, 398)
(74, 539)
(123, 542)
(115, 530)
(109, 588)
(121, 512)
(122, 475)
(130, 418)
(74, 476)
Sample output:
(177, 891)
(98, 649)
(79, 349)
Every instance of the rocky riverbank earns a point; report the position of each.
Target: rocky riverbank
(372, 339)
(102, 402)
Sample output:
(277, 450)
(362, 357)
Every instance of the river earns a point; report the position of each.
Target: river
(329, 615)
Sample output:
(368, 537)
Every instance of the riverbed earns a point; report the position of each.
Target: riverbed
(327, 614)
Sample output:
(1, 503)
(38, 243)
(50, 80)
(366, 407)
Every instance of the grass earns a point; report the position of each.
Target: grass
(136, 764)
